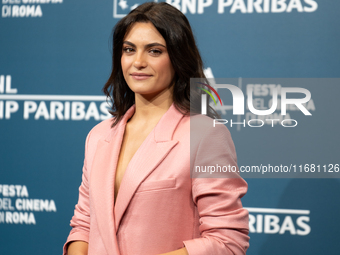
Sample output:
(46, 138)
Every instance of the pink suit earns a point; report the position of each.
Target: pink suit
(159, 207)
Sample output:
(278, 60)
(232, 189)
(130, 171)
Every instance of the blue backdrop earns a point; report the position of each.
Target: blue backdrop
(55, 58)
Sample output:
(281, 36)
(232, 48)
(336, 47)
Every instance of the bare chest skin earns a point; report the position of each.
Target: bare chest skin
(134, 136)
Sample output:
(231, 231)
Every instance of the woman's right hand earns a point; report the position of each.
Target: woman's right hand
(77, 248)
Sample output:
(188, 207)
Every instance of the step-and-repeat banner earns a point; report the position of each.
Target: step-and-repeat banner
(55, 58)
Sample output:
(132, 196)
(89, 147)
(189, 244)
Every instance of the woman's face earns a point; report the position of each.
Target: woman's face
(145, 61)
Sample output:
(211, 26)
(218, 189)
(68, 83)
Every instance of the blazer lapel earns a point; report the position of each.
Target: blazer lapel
(153, 150)
(102, 182)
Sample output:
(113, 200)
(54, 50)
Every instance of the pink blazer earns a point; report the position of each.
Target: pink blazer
(159, 207)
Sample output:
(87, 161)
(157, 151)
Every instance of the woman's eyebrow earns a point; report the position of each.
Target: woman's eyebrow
(146, 46)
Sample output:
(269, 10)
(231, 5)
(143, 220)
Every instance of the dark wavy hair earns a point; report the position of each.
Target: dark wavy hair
(181, 47)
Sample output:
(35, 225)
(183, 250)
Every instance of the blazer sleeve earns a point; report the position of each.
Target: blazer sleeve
(223, 221)
(80, 221)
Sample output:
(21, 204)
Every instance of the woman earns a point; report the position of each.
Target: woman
(137, 196)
